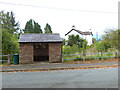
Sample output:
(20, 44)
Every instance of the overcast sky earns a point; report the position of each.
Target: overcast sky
(97, 15)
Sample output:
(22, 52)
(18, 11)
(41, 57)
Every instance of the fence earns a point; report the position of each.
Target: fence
(85, 56)
(9, 58)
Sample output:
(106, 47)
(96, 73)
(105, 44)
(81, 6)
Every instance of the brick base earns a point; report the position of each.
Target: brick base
(26, 53)
(55, 52)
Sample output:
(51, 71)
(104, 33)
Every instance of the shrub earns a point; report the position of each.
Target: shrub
(71, 49)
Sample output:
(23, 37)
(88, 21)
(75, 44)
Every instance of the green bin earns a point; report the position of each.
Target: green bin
(16, 59)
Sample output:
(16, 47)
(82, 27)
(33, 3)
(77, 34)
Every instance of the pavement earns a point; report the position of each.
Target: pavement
(45, 66)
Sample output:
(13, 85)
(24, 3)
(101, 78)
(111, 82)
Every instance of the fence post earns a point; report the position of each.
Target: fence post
(83, 57)
(116, 55)
(101, 56)
(62, 59)
(9, 59)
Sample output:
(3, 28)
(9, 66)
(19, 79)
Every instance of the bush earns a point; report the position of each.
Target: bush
(71, 49)
(9, 43)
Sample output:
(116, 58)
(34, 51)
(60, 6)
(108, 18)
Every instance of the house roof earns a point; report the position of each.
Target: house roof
(39, 37)
(80, 32)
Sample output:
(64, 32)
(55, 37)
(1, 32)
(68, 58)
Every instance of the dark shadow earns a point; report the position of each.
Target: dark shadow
(41, 52)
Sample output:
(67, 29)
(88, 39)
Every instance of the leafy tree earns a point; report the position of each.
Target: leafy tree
(9, 43)
(76, 40)
(48, 28)
(100, 46)
(32, 27)
(73, 40)
(8, 27)
(8, 22)
(109, 41)
(111, 38)
(84, 46)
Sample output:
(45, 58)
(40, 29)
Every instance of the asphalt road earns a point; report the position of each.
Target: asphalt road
(84, 78)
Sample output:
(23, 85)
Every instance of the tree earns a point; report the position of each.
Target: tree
(9, 43)
(29, 27)
(76, 40)
(8, 22)
(32, 27)
(84, 46)
(73, 40)
(37, 28)
(48, 28)
(111, 38)
(8, 27)
(100, 46)
(109, 41)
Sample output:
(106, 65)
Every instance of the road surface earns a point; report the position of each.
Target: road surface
(84, 78)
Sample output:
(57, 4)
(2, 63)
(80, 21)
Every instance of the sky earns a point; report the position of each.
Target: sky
(97, 15)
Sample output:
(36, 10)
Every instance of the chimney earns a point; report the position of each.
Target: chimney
(73, 27)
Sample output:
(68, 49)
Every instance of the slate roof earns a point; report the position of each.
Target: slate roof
(40, 37)
(80, 32)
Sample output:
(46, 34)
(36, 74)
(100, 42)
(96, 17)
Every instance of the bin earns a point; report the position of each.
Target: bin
(16, 59)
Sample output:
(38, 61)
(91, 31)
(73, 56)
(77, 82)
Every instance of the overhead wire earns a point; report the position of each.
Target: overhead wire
(57, 8)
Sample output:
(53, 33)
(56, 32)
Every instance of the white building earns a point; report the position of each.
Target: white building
(85, 35)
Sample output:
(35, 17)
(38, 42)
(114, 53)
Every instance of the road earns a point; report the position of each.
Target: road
(84, 78)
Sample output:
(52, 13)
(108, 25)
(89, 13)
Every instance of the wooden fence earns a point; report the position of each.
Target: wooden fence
(85, 56)
(9, 58)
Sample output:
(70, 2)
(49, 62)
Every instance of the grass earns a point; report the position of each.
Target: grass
(5, 63)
